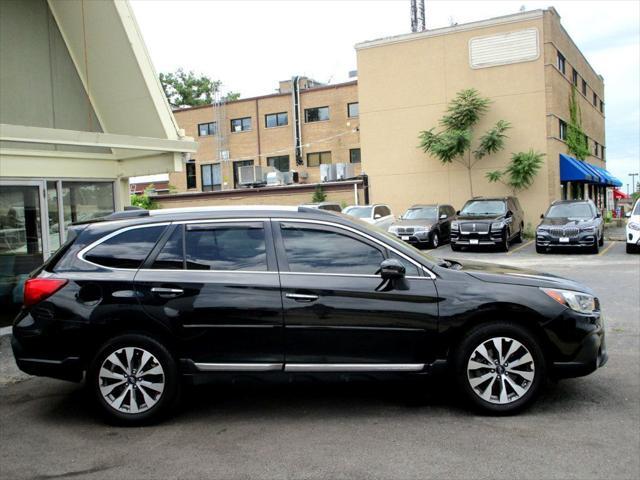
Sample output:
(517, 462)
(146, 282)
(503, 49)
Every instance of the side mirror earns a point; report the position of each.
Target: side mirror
(542, 215)
(391, 269)
(457, 212)
(598, 215)
(443, 216)
(509, 214)
(377, 216)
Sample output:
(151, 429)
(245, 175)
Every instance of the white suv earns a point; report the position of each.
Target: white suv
(378, 215)
(633, 229)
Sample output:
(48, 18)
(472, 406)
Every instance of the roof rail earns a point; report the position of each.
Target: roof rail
(128, 212)
(303, 209)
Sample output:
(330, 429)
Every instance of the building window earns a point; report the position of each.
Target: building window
(205, 129)
(595, 99)
(240, 124)
(354, 155)
(602, 152)
(280, 163)
(276, 120)
(601, 106)
(211, 177)
(191, 174)
(595, 149)
(353, 109)
(317, 114)
(317, 158)
(562, 63)
(584, 88)
(575, 77)
(563, 129)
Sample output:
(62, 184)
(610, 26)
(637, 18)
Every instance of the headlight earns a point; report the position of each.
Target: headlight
(454, 226)
(497, 226)
(634, 226)
(588, 229)
(576, 301)
(421, 229)
(392, 229)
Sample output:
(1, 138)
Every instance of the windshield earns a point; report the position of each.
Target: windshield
(636, 211)
(570, 210)
(484, 207)
(359, 212)
(423, 213)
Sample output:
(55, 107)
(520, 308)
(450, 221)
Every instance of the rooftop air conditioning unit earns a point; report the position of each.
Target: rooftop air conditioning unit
(327, 172)
(251, 175)
(345, 171)
(275, 178)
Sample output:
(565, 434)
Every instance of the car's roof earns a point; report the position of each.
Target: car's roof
(558, 202)
(426, 205)
(489, 198)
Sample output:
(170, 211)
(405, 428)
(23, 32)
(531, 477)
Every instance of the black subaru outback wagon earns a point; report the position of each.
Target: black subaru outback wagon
(140, 302)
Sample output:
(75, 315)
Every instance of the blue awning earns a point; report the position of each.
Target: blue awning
(611, 180)
(600, 179)
(572, 170)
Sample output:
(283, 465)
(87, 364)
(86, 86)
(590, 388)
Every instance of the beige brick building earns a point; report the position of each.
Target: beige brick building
(524, 63)
(262, 131)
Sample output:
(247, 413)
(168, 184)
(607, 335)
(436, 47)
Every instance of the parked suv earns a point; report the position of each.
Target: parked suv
(378, 215)
(570, 223)
(633, 229)
(331, 206)
(488, 221)
(423, 225)
(143, 301)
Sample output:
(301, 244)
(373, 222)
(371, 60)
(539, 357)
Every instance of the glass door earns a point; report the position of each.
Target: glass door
(22, 244)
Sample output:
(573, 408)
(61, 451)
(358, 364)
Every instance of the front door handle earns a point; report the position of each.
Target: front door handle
(302, 297)
(167, 292)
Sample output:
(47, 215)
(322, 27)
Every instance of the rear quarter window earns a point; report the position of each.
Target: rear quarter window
(126, 249)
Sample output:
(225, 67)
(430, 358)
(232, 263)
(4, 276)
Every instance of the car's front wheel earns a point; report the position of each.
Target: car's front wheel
(134, 379)
(504, 246)
(435, 240)
(499, 367)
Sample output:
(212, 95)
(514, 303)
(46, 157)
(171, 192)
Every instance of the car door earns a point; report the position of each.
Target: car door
(338, 316)
(444, 223)
(216, 284)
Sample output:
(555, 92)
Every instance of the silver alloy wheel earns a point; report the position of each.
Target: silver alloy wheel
(500, 370)
(435, 240)
(131, 380)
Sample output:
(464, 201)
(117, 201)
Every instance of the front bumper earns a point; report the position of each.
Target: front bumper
(417, 238)
(633, 236)
(544, 239)
(473, 239)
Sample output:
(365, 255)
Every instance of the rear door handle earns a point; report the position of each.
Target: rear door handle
(301, 297)
(167, 292)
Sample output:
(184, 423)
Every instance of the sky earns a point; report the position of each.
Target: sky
(250, 45)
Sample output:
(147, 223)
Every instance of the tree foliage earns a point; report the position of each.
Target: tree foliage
(319, 195)
(144, 201)
(521, 172)
(453, 143)
(577, 142)
(188, 89)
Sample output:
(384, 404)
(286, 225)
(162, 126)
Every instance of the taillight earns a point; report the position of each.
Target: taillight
(37, 289)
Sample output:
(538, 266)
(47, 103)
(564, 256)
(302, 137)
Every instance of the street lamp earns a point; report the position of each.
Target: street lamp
(633, 181)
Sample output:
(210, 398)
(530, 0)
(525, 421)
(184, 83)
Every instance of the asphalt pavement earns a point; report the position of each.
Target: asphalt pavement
(581, 428)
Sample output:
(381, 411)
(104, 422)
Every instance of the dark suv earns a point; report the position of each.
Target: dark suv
(570, 223)
(143, 301)
(423, 225)
(488, 221)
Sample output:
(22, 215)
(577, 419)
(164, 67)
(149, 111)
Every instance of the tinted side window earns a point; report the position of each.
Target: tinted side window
(127, 249)
(411, 269)
(171, 257)
(324, 251)
(240, 247)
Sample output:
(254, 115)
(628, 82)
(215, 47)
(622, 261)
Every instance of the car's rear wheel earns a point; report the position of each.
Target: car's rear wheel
(435, 240)
(500, 367)
(134, 378)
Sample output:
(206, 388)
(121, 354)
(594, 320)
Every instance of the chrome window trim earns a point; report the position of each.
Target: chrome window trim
(430, 274)
(353, 367)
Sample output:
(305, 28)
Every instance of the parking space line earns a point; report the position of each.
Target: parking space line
(606, 249)
(520, 247)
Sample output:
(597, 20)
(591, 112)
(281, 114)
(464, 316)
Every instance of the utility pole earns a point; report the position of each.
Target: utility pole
(418, 23)
(633, 181)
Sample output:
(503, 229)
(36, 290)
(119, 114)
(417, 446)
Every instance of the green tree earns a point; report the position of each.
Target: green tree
(520, 173)
(577, 143)
(187, 89)
(319, 195)
(453, 143)
(144, 201)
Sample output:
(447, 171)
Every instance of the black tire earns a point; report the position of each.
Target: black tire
(540, 249)
(595, 248)
(435, 240)
(601, 243)
(455, 247)
(165, 401)
(484, 333)
(518, 238)
(504, 246)
(631, 248)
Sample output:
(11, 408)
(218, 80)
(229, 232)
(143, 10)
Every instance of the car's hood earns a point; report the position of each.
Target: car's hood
(476, 218)
(489, 272)
(634, 218)
(417, 222)
(567, 221)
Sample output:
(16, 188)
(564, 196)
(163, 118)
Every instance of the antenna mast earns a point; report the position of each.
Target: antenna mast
(418, 23)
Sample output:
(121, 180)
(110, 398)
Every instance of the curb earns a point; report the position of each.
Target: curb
(5, 331)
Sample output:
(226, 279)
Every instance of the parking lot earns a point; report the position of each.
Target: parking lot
(581, 428)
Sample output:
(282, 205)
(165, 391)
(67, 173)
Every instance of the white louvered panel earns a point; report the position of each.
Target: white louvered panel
(511, 47)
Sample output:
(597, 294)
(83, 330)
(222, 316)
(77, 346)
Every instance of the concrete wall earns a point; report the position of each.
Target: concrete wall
(404, 88)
